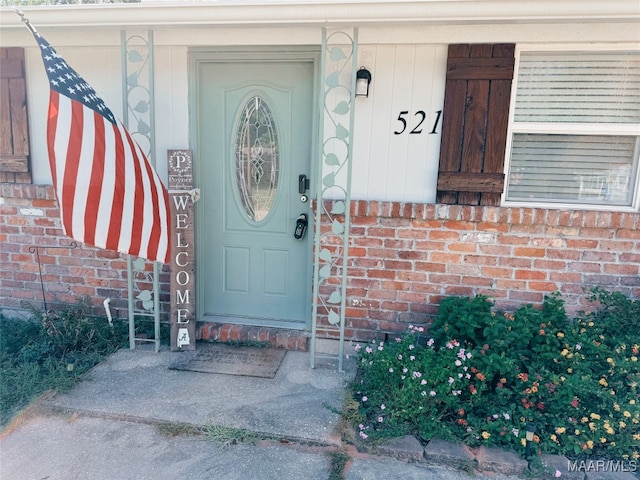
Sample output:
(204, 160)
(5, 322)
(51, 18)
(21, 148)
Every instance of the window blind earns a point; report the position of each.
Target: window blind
(578, 87)
(589, 169)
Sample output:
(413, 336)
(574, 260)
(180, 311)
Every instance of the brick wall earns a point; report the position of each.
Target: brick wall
(29, 217)
(404, 258)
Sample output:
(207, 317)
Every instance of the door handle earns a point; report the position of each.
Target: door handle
(301, 226)
(303, 184)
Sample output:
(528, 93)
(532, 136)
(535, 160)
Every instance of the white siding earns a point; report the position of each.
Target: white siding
(407, 62)
(399, 167)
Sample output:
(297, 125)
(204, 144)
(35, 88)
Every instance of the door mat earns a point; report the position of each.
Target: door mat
(231, 360)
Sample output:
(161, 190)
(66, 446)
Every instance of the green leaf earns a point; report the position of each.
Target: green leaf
(332, 80)
(334, 318)
(337, 227)
(143, 127)
(338, 207)
(325, 254)
(332, 159)
(134, 56)
(337, 54)
(132, 80)
(341, 108)
(341, 132)
(335, 297)
(329, 180)
(142, 107)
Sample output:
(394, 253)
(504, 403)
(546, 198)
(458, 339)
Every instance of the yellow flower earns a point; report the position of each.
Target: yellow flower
(626, 414)
(636, 436)
(621, 424)
(616, 407)
(560, 334)
(590, 324)
(610, 430)
(523, 441)
(592, 426)
(569, 370)
(590, 443)
(603, 440)
(564, 352)
(486, 435)
(634, 359)
(612, 392)
(610, 360)
(577, 432)
(554, 438)
(584, 419)
(603, 382)
(636, 455)
(560, 430)
(595, 416)
(632, 402)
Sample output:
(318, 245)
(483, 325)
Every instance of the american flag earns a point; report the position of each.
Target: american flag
(109, 194)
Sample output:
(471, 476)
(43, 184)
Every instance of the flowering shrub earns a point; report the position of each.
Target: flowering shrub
(479, 376)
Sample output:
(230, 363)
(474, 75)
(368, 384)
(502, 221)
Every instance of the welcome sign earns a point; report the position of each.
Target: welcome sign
(182, 199)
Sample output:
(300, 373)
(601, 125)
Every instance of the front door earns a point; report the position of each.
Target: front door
(255, 133)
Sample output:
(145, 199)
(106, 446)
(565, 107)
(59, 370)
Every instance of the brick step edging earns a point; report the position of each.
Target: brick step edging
(296, 340)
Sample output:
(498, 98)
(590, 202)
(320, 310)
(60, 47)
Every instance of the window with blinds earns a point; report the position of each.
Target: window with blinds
(575, 134)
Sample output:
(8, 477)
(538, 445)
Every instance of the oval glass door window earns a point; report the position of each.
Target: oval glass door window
(257, 162)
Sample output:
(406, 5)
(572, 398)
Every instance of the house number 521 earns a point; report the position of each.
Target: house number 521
(420, 117)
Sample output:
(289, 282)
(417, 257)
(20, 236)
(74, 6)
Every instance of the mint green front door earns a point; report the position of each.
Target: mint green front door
(255, 132)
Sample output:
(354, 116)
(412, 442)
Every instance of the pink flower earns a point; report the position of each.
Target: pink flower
(368, 350)
(364, 435)
(383, 406)
(365, 398)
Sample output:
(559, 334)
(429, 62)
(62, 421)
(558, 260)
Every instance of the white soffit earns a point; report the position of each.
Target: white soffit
(322, 12)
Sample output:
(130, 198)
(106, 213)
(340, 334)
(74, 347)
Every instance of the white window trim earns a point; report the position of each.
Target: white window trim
(610, 129)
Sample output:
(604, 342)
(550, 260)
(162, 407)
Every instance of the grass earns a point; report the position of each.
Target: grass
(226, 436)
(35, 353)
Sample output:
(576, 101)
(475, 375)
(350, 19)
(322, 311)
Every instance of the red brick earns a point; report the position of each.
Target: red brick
(430, 267)
(463, 247)
(381, 274)
(630, 234)
(412, 255)
(458, 225)
(530, 275)
(444, 279)
(441, 257)
(529, 252)
(543, 286)
(413, 276)
(443, 235)
(597, 233)
(480, 260)
(492, 227)
(622, 269)
(494, 272)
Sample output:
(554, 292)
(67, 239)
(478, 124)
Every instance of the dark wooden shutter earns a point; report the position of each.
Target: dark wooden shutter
(14, 135)
(474, 132)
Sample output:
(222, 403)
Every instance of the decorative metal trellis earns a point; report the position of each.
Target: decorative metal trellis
(337, 96)
(138, 117)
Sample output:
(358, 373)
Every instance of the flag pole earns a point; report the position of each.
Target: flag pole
(25, 20)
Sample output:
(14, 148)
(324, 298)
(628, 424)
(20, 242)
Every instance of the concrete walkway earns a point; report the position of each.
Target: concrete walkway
(124, 422)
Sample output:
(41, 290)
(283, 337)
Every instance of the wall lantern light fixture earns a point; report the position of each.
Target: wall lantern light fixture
(363, 79)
